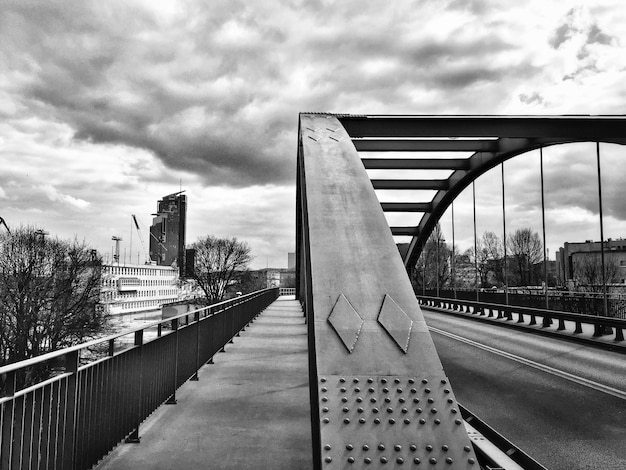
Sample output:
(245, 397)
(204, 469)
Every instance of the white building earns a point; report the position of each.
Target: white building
(128, 288)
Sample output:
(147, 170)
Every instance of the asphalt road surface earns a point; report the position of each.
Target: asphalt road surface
(561, 402)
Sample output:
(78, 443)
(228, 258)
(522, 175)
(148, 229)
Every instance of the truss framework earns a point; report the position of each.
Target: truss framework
(491, 140)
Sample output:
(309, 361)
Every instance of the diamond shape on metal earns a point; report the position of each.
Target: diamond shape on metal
(395, 322)
(346, 322)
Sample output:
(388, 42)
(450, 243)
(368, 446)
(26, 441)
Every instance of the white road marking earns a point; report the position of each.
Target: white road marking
(550, 370)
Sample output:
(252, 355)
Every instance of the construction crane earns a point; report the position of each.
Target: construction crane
(143, 243)
(2, 222)
(117, 240)
(148, 259)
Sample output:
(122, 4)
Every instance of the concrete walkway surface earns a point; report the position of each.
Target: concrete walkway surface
(249, 410)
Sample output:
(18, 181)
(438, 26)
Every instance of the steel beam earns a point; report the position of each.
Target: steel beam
(403, 231)
(433, 145)
(565, 127)
(416, 163)
(406, 206)
(410, 184)
(379, 394)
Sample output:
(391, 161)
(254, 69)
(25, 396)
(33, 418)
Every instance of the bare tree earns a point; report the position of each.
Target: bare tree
(588, 271)
(435, 266)
(49, 294)
(491, 256)
(217, 263)
(526, 248)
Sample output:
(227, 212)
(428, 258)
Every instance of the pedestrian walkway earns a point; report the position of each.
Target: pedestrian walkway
(248, 410)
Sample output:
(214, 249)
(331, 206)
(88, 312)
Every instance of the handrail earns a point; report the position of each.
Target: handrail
(72, 418)
(600, 323)
(62, 352)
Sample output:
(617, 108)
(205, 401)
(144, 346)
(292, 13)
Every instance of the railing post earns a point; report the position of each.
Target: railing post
(133, 437)
(71, 410)
(7, 420)
(172, 399)
(196, 318)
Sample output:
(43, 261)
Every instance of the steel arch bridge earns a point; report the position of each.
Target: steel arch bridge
(490, 139)
(369, 346)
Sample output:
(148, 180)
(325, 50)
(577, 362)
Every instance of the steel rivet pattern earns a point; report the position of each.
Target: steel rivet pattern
(351, 427)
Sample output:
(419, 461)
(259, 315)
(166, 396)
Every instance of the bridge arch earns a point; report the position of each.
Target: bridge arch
(490, 139)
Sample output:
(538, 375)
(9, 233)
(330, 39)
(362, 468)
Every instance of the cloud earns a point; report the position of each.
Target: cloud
(55, 196)
(107, 105)
(217, 91)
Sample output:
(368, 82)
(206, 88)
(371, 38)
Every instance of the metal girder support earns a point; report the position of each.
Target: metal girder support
(410, 184)
(379, 394)
(566, 128)
(412, 145)
(415, 163)
(406, 206)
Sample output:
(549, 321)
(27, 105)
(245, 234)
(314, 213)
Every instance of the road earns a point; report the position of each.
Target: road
(561, 402)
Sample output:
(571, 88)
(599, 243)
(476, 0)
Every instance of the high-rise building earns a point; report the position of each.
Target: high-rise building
(167, 240)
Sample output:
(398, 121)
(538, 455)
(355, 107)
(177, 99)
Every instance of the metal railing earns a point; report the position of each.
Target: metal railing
(586, 303)
(287, 291)
(68, 408)
(602, 326)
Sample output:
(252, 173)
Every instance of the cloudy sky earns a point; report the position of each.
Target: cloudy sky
(105, 106)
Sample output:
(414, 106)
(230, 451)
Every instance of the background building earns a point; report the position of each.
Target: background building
(167, 233)
(137, 288)
(581, 263)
